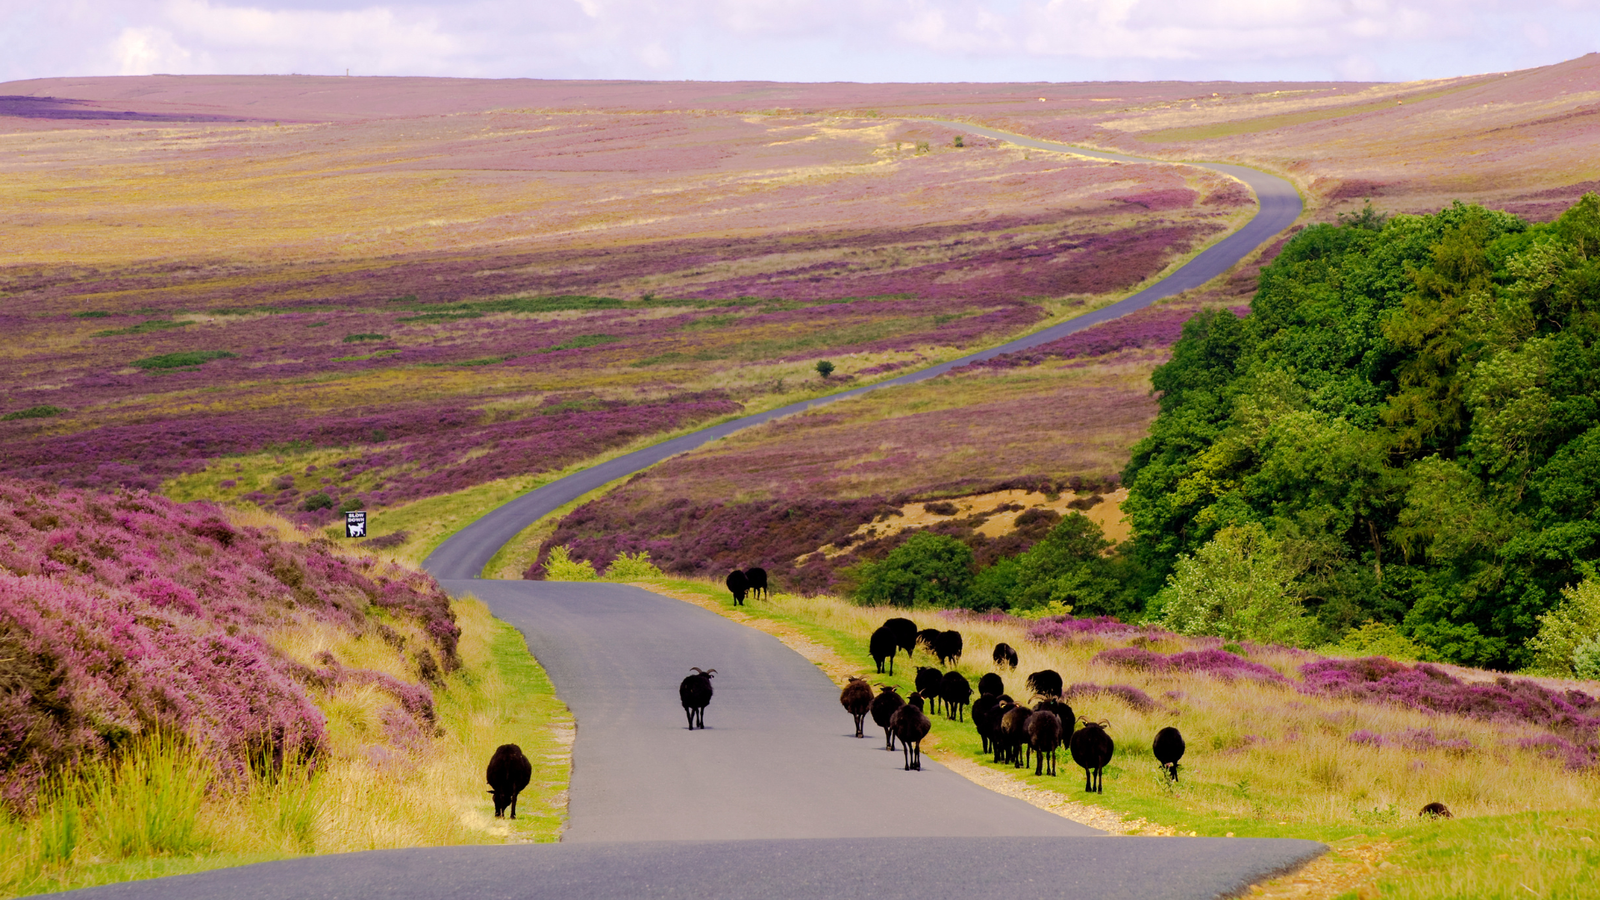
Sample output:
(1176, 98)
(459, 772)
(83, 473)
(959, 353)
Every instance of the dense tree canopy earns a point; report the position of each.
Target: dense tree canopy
(1408, 422)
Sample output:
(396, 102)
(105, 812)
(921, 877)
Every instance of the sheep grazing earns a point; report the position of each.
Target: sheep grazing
(911, 726)
(928, 682)
(738, 585)
(1435, 810)
(991, 684)
(948, 647)
(956, 692)
(883, 645)
(695, 692)
(1005, 656)
(508, 773)
(755, 579)
(1168, 748)
(905, 633)
(1045, 683)
(1044, 736)
(883, 707)
(984, 719)
(1013, 737)
(928, 639)
(856, 698)
(1092, 749)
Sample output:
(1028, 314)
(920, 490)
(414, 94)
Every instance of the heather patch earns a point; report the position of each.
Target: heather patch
(1124, 694)
(124, 615)
(1214, 663)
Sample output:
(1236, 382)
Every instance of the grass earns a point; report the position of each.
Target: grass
(161, 809)
(1263, 761)
(181, 360)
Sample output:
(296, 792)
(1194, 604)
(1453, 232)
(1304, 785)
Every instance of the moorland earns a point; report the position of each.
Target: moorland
(294, 296)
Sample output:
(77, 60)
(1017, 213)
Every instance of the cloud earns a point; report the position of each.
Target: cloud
(820, 40)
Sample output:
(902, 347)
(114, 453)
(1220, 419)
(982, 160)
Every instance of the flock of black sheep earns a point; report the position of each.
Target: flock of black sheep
(1013, 732)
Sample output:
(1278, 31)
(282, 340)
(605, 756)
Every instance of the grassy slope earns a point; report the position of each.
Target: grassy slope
(1526, 824)
(361, 798)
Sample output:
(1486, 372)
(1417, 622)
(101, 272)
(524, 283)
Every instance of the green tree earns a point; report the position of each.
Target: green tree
(1239, 586)
(927, 570)
(1068, 567)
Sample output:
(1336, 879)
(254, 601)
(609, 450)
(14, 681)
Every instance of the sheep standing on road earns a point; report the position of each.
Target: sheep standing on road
(1092, 749)
(1168, 748)
(911, 726)
(883, 645)
(956, 692)
(1005, 656)
(883, 707)
(756, 578)
(508, 773)
(695, 692)
(738, 585)
(856, 698)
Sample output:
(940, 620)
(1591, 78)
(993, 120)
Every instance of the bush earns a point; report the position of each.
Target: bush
(1377, 639)
(351, 504)
(927, 570)
(633, 567)
(1238, 586)
(824, 368)
(184, 360)
(561, 567)
(317, 501)
(364, 336)
(1569, 635)
(33, 412)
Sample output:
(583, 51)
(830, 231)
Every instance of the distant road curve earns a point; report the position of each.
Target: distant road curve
(466, 552)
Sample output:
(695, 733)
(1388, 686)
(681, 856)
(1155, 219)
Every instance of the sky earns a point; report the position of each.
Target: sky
(797, 40)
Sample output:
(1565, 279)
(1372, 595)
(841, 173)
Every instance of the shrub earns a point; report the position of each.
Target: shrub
(927, 570)
(185, 360)
(317, 501)
(561, 567)
(351, 504)
(633, 567)
(1377, 639)
(1238, 586)
(824, 368)
(1569, 635)
(33, 412)
(364, 336)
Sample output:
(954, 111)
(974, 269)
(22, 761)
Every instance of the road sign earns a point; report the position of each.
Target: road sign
(355, 523)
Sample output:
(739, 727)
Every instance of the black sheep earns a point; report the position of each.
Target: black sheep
(883, 707)
(738, 585)
(911, 726)
(1005, 656)
(997, 715)
(1436, 810)
(1045, 683)
(948, 646)
(1044, 736)
(695, 692)
(928, 639)
(1069, 722)
(983, 719)
(991, 684)
(508, 773)
(1092, 749)
(905, 633)
(1013, 737)
(856, 698)
(755, 579)
(1168, 748)
(928, 682)
(883, 645)
(956, 692)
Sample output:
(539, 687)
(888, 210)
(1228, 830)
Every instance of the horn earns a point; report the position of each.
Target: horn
(711, 671)
(697, 669)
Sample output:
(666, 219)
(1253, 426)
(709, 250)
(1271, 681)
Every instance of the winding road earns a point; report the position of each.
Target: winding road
(775, 798)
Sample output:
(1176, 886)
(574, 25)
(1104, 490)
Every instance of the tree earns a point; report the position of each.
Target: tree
(824, 368)
(927, 570)
(1239, 587)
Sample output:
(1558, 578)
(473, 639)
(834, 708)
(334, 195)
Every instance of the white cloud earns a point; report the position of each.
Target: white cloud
(149, 51)
(817, 40)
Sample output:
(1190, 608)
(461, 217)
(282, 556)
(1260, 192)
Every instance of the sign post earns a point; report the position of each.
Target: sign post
(355, 523)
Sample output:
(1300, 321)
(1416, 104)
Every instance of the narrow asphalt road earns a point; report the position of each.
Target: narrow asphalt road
(466, 553)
